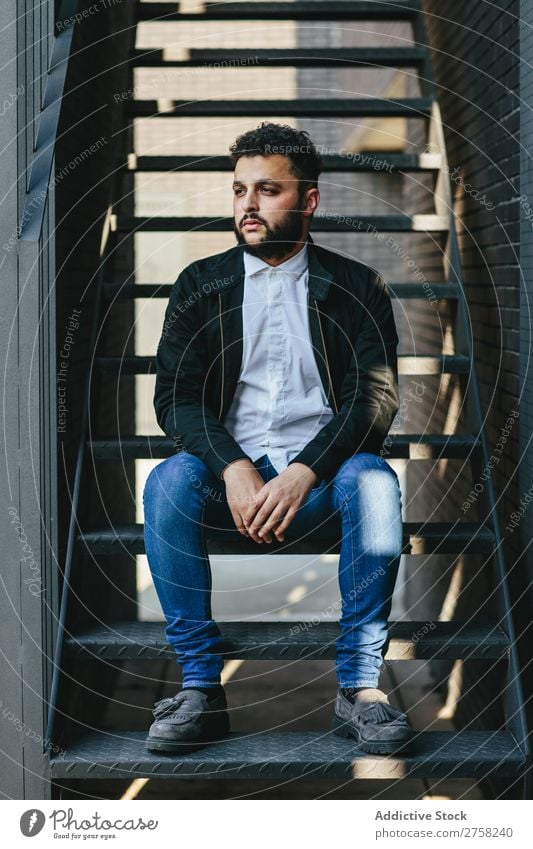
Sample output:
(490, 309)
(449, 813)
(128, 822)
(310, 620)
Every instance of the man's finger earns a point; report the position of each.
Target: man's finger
(257, 501)
(289, 516)
(262, 516)
(276, 517)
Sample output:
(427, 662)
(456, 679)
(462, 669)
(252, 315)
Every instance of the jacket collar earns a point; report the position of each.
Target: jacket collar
(229, 270)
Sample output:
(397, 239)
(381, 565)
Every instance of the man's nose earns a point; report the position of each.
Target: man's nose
(250, 202)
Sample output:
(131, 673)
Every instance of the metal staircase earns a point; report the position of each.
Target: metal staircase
(500, 753)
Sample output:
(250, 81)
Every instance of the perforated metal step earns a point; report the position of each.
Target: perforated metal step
(295, 640)
(340, 10)
(414, 107)
(122, 754)
(400, 290)
(418, 538)
(377, 163)
(415, 446)
(295, 57)
(407, 364)
(322, 223)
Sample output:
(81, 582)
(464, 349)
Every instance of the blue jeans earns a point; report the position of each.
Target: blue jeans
(182, 497)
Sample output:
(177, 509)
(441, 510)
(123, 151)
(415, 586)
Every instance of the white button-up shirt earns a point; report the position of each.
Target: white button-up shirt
(279, 404)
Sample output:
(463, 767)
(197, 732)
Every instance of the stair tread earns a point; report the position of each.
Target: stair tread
(418, 538)
(299, 10)
(408, 364)
(417, 446)
(321, 223)
(285, 639)
(377, 162)
(183, 57)
(291, 753)
(407, 289)
(410, 107)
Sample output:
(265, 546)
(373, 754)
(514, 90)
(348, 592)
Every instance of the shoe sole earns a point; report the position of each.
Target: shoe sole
(213, 734)
(344, 729)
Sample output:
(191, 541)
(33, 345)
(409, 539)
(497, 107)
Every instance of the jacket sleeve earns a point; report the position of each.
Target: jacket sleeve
(369, 391)
(182, 411)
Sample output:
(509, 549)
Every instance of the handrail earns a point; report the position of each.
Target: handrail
(40, 169)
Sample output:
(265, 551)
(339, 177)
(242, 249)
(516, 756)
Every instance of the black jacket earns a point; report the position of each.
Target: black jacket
(353, 336)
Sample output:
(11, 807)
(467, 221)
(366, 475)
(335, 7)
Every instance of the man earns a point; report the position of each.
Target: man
(277, 379)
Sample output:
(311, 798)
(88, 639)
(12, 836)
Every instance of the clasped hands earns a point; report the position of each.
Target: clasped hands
(261, 509)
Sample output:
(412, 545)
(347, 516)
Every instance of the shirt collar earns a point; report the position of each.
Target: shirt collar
(297, 264)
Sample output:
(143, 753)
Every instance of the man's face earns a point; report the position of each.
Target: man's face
(270, 217)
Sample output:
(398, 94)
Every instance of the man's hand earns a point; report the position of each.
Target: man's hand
(273, 508)
(243, 482)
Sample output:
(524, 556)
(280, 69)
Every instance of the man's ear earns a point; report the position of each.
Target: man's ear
(311, 201)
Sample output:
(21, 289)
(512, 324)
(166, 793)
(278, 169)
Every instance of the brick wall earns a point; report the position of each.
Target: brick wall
(523, 533)
(474, 55)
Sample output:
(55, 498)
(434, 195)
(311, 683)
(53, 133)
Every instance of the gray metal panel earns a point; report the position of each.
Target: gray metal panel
(28, 352)
(122, 754)
(11, 780)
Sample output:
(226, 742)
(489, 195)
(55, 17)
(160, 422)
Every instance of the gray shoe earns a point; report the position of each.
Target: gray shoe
(187, 721)
(378, 727)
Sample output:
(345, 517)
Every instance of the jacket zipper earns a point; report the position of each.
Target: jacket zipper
(326, 358)
(222, 353)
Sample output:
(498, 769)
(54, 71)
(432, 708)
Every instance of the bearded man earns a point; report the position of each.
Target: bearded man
(277, 380)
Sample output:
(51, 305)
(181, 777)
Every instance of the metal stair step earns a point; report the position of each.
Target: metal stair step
(326, 223)
(297, 57)
(340, 10)
(291, 754)
(418, 538)
(415, 446)
(295, 640)
(413, 290)
(408, 364)
(376, 162)
(415, 107)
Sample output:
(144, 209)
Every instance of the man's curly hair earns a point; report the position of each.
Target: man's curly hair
(270, 139)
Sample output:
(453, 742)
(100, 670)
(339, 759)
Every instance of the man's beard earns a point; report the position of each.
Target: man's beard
(279, 240)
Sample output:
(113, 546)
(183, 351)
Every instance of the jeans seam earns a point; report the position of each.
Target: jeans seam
(345, 499)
